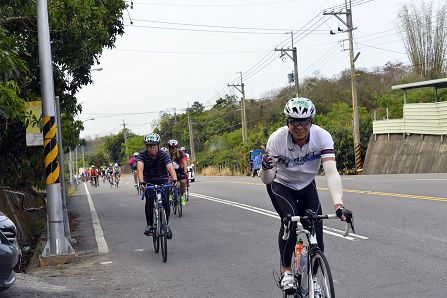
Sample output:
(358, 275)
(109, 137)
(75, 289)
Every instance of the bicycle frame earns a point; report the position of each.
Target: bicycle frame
(310, 243)
(159, 220)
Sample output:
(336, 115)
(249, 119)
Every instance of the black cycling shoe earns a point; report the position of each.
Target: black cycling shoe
(169, 233)
(149, 231)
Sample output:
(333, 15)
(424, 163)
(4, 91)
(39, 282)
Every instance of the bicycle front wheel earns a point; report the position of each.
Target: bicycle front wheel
(163, 235)
(155, 238)
(180, 207)
(321, 284)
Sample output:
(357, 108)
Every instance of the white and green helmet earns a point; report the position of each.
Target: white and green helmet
(152, 138)
(299, 107)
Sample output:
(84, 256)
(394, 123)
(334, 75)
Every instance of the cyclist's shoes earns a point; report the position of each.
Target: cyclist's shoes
(183, 201)
(317, 288)
(171, 198)
(169, 233)
(287, 282)
(149, 231)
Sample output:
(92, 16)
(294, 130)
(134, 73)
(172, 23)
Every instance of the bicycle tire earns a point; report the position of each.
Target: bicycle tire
(175, 201)
(187, 193)
(163, 235)
(180, 208)
(320, 268)
(155, 238)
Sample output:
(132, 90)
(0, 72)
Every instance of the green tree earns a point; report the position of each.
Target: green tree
(79, 30)
(425, 37)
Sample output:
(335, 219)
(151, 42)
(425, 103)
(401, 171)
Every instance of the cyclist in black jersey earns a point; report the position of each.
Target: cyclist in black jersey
(153, 167)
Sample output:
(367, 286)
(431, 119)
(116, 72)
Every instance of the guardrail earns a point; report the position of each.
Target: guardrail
(24, 210)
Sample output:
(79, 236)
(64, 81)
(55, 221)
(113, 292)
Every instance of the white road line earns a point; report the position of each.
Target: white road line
(139, 250)
(106, 263)
(327, 230)
(432, 179)
(100, 240)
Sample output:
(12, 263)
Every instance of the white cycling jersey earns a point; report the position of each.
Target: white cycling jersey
(297, 167)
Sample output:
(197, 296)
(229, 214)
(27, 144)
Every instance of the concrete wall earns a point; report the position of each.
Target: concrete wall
(396, 154)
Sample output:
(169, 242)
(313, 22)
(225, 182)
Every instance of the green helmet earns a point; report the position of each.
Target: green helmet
(300, 108)
(152, 138)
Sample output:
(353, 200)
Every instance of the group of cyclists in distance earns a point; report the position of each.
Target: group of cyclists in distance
(111, 173)
(290, 163)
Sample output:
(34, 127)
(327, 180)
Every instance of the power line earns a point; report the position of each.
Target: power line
(213, 5)
(264, 64)
(353, 3)
(380, 32)
(374, 47)
(189, 52)
(212, 26)
(319, 60)
(204, 30)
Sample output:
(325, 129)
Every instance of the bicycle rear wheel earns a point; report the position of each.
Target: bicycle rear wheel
(187, 192)
(163, 235)
(322, 274)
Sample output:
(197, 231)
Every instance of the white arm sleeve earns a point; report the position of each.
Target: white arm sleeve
(333, 181)
(267, 176)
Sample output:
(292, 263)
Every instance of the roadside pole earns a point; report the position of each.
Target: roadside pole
(57, 249)
(61, 159)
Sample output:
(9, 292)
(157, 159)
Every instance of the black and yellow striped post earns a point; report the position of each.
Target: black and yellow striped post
(52, 169)
(358, 159)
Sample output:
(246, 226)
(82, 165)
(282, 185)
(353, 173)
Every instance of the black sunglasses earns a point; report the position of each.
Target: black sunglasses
(299, 122)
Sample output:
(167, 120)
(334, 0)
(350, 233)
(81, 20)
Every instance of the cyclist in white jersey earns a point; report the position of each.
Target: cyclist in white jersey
(290, 163)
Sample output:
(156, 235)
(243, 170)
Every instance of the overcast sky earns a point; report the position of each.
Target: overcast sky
(155, 69)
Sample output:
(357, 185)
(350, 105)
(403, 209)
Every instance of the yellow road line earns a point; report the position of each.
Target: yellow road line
(365, 192)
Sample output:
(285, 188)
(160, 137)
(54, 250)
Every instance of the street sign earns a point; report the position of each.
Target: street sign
(34, 135)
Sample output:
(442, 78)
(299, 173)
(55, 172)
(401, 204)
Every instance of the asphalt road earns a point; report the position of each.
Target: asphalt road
(222, 248)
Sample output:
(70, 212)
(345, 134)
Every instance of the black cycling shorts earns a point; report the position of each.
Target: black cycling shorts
(286, 201)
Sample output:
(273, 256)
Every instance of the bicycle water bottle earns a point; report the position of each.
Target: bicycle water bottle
(298, 250)
(303, 260)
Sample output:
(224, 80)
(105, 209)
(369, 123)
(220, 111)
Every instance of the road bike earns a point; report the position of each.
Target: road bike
(117, 179)
(175, 202)
(187, 191)
(312, 264)
(160, 221)
(137, 184)
(94, 181)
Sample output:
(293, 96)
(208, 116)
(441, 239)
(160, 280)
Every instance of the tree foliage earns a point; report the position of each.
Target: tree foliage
(217, 131)
(425, 37)
(79, 30)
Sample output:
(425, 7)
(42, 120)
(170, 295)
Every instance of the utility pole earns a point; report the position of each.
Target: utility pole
(76, 161)
(70, 154)
(125, 135)
(83, 158)
(294, 58)
(175, 116)
(62, 176)
(191, 139)
(243, 115)
(57, 244)
(355, 107)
